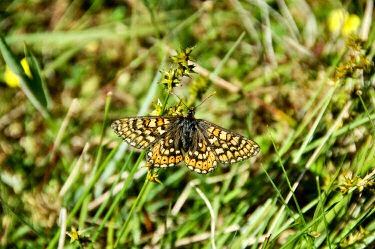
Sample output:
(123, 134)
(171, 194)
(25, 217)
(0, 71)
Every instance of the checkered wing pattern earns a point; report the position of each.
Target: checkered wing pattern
(157, 134)
(164, 137)
(166, 152)
(228, 147)
(142, 132)
(200, 157)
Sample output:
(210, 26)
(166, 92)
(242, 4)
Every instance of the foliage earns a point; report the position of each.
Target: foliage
(296, 77)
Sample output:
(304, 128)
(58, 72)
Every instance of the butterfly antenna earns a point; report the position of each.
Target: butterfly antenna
(180, 99)
(209, 96)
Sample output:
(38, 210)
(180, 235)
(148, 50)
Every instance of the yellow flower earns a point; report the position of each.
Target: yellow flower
(341, 19)
(74, 234)
(11, 78)
(351, 25)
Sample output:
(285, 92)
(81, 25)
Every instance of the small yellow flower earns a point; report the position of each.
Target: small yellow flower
(11, 78)
(341, 19)
(351, 25)
(74, 234)
(153, 177)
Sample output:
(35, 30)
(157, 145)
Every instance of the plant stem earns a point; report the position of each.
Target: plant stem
(132, 210)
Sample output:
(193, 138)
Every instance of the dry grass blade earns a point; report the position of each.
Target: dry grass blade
(62, 223)
(367, 20)
(209, 206)
(74, 172)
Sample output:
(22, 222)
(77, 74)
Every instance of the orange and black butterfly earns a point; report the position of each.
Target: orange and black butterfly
(171, 139)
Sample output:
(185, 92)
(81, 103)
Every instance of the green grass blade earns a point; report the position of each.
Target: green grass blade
(105, 203)
(326, 193)
(331, 214)
(367, 113)
(226, 57)
(104, 127)
(313, 128)
(21, 218)
(78, 204)
(355, 224)
(291, 189)
(278, 192)
(125, 225)
(322, 210)
(325, 79)
(119, 196)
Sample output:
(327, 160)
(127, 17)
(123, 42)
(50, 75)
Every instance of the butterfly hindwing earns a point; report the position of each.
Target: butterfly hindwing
(200, 157)
(166, 152)
(229, 147)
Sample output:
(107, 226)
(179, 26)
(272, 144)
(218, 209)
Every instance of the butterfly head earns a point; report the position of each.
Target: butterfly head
(191, 112)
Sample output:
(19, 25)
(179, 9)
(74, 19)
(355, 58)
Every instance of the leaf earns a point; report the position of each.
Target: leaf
(38, 85)
(33, 92)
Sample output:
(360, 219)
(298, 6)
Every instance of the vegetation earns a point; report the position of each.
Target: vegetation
(297, 77)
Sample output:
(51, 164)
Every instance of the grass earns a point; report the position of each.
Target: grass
(302, 91)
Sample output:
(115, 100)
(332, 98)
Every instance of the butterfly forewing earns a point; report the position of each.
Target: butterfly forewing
(142, 132)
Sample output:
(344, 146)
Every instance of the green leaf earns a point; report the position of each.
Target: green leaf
(38, 100)
(38, 85)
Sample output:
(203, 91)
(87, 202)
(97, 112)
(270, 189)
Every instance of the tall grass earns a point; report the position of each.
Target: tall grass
(303, 91)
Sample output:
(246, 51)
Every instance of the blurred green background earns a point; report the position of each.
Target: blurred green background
(295, 76)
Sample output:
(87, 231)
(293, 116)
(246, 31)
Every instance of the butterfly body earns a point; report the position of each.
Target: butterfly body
(189, 128)
(167, 138)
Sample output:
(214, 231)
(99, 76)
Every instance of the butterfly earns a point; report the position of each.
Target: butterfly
(171, 139)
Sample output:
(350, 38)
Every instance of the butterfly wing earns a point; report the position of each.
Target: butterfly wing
(142, 132)
(166, 151)
(228, 147)
(160, 135)
(200, 157)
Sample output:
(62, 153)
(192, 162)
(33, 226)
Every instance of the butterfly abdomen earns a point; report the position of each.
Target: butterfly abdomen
(189, 129)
